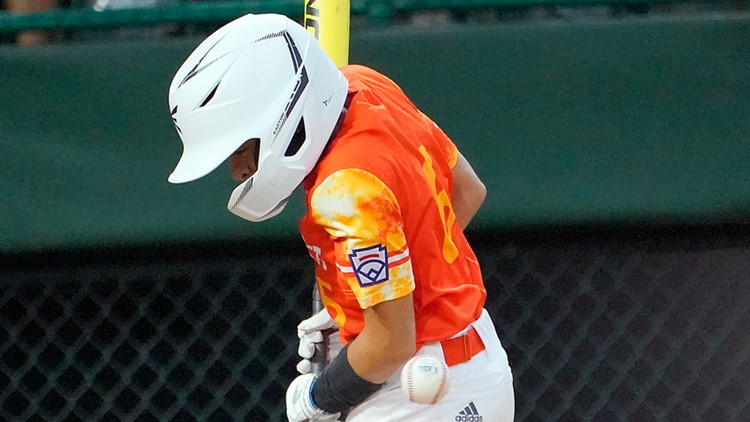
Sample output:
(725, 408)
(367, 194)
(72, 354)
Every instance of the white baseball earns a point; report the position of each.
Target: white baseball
(424, 379)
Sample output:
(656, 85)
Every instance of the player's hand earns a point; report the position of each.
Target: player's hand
(310, 333)
(299, 404)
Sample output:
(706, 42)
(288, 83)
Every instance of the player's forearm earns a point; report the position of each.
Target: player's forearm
(376, 362)
(387, 341)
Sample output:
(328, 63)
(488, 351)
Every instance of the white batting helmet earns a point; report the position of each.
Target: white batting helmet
(264, 77)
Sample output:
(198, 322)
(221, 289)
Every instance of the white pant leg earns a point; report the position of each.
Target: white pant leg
(481, 389)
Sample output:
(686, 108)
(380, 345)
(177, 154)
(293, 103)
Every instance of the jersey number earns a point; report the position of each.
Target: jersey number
(445, 209)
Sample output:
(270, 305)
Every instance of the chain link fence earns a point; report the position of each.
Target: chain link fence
(596, 330)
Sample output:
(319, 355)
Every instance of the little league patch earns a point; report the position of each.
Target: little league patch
(370, 264)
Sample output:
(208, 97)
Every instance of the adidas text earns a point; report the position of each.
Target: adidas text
(468, 418)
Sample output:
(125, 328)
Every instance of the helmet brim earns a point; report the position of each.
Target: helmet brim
(197, 162)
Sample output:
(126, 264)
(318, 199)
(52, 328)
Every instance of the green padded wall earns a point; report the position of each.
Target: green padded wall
(581, 123)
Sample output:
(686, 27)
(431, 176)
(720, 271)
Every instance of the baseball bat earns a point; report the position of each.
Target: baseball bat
(319, 359)
(328, 21)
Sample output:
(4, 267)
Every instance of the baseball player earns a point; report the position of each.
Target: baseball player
(388, 196)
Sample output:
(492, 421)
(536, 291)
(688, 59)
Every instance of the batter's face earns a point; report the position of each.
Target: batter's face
(244, 162)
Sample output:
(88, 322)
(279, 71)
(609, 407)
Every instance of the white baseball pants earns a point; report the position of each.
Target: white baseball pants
(481, 389)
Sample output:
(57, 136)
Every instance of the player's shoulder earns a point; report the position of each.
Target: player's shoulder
(363, 78)
(352, 180)
(358, 71)
(348, 193)
(365, 150)
(361, 153)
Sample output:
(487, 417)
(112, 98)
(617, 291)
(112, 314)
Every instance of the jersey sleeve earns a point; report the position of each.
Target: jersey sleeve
(363, 217)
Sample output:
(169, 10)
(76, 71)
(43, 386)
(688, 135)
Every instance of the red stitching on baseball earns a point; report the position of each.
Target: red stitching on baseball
(410, 380)
(443, 379)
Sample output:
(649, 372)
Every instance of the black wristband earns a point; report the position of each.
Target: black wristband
(338, 388)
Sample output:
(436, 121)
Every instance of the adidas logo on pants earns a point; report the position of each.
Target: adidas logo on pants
(469, 414)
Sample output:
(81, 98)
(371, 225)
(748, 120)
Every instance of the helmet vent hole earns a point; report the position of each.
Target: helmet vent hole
(297, 140)
(210, 96)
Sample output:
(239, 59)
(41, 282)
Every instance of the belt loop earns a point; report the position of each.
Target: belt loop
(467, 346)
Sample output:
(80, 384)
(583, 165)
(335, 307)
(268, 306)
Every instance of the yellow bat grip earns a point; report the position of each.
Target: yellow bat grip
(328, 21)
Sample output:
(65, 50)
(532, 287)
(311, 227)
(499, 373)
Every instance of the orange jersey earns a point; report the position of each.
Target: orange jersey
(380, 224)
